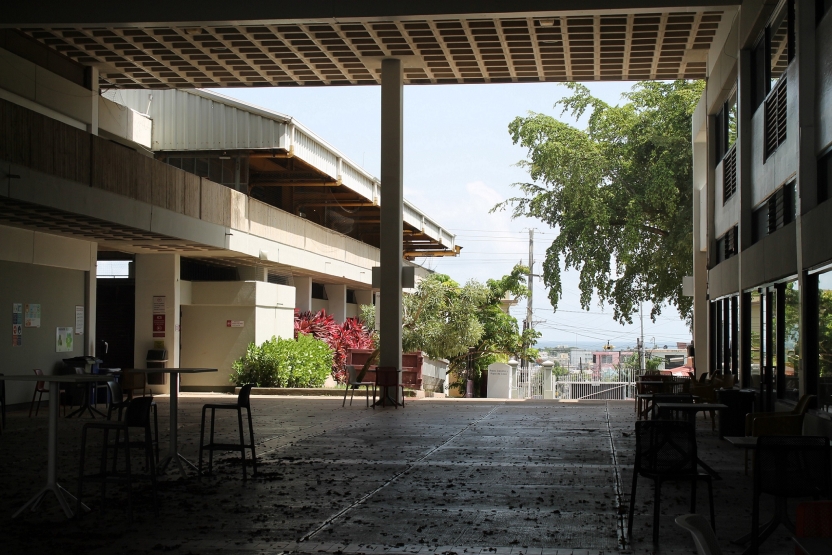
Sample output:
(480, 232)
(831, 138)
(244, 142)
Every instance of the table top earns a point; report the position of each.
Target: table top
(171, 370)
(742, 441)
(814, 546)
(691, 406)
(61, 378)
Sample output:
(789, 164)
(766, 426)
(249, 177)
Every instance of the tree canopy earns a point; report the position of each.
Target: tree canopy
(619, 194)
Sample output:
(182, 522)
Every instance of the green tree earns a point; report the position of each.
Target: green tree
(617, 192)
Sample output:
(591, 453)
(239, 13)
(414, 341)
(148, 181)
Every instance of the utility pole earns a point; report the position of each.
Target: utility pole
(530, 281)
(641, 342)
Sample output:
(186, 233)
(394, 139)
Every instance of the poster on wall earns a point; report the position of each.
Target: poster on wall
(63, 340)
(32, 319)
(17, 324)
(158, 316)
(79, 320)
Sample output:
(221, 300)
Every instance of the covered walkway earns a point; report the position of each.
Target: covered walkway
(440, 476)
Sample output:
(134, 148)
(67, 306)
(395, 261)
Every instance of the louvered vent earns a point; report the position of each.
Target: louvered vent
(731, 243)
(729, 174)
(775, 117)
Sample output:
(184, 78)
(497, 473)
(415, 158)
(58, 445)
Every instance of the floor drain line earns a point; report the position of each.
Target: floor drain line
(619, 496)
(410, 467)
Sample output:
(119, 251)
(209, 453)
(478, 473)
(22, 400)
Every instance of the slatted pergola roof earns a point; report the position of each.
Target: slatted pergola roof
(664, 44)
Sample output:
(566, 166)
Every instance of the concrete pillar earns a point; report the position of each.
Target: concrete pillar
(157, 275)
(363, 297)
(337, 296)
(392, 97)
(700, 239)
(90, 300)
(303, 293)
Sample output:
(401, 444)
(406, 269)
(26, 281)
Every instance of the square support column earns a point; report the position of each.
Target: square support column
(303, 293)
(337, 296)
(392, 183)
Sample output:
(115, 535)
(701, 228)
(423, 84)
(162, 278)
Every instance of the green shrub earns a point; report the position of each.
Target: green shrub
(304, 362)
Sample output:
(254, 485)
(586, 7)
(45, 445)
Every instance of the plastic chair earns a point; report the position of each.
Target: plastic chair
(353, 384)
(668, 398)
(137, 415)
(243, 402)
(788, 466)
(814, 520)
(703, 535)
(666, 451)
(387, 377)
(131, 381)
(40, 389)
(119, 404)
(2, 402)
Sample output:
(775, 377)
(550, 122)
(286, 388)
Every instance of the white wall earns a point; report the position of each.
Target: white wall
(265, 310)
(157, 275)
(43, 269)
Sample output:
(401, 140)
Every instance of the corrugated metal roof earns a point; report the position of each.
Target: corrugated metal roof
(201, 120)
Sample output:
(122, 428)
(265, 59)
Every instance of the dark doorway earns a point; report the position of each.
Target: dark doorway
(115, 317)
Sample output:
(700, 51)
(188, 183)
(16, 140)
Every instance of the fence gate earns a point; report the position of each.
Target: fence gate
(528, 382)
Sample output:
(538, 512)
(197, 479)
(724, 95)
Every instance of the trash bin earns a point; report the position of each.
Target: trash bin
(156, 358)
(740, 402)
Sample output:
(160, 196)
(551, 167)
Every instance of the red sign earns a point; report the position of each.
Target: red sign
(158, 325)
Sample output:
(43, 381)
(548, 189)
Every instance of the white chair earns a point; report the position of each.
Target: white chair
(703, 536)
(353, 384)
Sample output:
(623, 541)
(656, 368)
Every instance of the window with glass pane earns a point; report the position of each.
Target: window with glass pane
(731, 123)
(791, 346)
(825, 340)
(756, 339)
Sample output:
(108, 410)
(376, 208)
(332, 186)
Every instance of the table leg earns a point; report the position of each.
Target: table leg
(52, 484)
(173, 455)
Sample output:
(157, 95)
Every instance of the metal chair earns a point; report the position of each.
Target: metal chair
(788, 466)
(353, 384)
(666, 451)
(664, 414)
(703, 535)
(137, 415)
(243, 402)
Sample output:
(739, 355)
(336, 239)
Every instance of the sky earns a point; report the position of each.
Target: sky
(459, 161)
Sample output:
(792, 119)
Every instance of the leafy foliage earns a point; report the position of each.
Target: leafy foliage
(301, 362)
(440, 317)
(352, 334)
(618, 192)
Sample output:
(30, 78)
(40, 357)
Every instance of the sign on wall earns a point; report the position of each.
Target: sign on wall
(32, 319)
(17, 324)
(63, 340)
(79, 320)
(159, 316)
(234, 323)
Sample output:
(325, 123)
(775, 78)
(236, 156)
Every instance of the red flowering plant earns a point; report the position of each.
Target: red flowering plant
(352, 334)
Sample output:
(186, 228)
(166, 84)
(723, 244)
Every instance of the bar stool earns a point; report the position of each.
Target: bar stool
(137, 415)
(118, 404)
(243, 402)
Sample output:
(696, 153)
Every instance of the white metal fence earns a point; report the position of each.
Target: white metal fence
(529, 382)
(612, 384)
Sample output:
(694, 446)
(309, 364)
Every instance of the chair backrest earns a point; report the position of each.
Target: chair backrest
(244, 397)
(666, 447)
(703, 377)
(137, 414)
(116, 394)
(703, 536)
(39, 372)
(803, 404)
(387, 376)
(793, 466)
(814, 519)
(728, 381)
(133, 380)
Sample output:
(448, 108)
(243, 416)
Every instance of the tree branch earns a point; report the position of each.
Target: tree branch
(645, 227)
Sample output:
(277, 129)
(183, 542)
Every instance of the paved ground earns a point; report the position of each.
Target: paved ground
(440, 476)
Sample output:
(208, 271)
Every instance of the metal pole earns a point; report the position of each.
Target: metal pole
(390, 313)
(641, 345)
